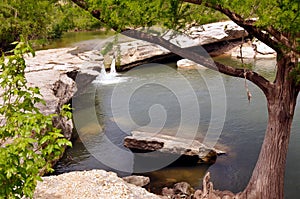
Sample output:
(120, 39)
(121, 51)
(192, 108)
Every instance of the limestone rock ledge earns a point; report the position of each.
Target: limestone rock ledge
(136, 52)
(89, 185)
(54, 71)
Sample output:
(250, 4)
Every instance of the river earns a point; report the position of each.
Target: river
(241, 136)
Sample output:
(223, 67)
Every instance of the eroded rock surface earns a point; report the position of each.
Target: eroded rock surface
(181, 190)
(54, 71)
(89, 185)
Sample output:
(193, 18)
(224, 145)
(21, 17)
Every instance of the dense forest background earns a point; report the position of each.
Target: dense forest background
(41, 21)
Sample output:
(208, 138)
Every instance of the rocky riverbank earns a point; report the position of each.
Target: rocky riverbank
(101, 184)
(89, 185)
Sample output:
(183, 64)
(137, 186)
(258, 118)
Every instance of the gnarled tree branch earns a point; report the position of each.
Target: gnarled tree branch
(257, 79)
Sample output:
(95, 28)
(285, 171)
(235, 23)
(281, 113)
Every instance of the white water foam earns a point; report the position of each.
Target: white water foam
(109, 78)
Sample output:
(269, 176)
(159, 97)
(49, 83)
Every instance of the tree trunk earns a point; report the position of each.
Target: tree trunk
(267, 179)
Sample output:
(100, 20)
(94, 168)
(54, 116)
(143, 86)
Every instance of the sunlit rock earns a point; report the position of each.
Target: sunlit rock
(216, 32)
(251, 50)
(190, 150)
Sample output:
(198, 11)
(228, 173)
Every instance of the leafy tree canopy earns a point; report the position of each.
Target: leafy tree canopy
(120, 14)
(272, 16)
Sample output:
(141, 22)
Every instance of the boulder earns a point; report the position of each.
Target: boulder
(189, 150)
(188, 64)
(247, 52)
(87, 185)
(262, 48)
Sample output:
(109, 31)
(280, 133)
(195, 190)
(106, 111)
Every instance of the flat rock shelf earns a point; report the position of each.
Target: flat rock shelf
(188, 151)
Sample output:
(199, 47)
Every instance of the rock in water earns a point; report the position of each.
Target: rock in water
(189, 150)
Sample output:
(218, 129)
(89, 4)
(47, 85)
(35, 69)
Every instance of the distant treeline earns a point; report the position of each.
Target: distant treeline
(41, 20)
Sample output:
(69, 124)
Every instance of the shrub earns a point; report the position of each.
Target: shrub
(28, 141)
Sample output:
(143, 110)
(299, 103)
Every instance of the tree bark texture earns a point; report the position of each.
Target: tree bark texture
(267, 179)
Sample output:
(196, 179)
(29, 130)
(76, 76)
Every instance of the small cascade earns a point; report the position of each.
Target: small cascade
(111, 77)
(113, 71)
(103, 72)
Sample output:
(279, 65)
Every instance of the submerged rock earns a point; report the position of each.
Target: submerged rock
(189, 150)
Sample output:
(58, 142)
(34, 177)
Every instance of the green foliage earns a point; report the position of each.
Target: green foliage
(30, 18)
(281, 14)
(295, 74)
(71, 17)
(28, 140)
(172, 14)
(40, 20)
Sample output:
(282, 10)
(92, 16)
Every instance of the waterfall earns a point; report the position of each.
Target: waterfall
(109, 78)
(103, 71)
(113, 67)
(112, 73)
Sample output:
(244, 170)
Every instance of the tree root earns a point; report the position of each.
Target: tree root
(208, 191)
(183, 190)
